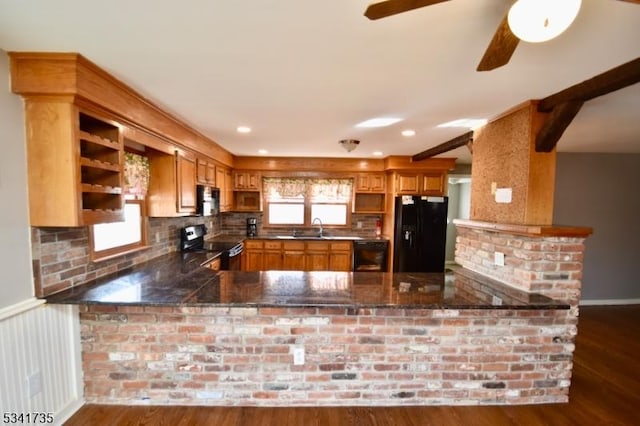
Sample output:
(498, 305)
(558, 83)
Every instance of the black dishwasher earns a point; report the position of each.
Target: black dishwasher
(370, 256)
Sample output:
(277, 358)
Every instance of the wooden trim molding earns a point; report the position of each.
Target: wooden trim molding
(302, 164)
(527, 230)
(71, 74)
(347, 165)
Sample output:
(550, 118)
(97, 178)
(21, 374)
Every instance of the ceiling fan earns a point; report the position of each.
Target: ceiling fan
(504, 41)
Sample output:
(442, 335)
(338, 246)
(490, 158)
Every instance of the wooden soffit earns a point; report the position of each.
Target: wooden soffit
(35, 74)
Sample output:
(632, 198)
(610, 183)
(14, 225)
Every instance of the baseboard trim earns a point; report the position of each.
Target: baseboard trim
(63, 415)
(594, 302)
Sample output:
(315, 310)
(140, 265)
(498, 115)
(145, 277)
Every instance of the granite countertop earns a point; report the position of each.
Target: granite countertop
(177, 279)
(302, 237)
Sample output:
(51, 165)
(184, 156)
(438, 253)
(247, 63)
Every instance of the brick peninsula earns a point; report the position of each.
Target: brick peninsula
(171, 332)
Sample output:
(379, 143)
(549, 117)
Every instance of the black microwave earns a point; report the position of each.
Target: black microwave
(207, 200)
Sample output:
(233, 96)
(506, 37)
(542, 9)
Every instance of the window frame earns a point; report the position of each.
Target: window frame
(307, 205)
(110, 253)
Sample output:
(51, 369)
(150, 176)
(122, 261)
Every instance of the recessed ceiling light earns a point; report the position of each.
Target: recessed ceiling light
(469, 123)
(243, 129)
(379, 122)
(377, 153)
(408, 133)
(262, 151)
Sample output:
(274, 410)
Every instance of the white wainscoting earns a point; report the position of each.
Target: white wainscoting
(41, 341)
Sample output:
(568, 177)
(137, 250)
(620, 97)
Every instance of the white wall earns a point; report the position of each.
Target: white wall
(36, 340)
(15, 246)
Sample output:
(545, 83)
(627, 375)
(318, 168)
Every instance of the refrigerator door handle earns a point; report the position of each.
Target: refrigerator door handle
(408, 237)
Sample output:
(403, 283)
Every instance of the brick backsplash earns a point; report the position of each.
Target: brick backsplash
(244, 356)
(61, 255)
(236, 223)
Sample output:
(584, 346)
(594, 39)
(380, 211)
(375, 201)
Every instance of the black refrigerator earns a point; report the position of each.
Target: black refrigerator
(420, 233)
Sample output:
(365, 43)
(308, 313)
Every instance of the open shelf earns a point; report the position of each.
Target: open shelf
(369, 203)
(101, 169)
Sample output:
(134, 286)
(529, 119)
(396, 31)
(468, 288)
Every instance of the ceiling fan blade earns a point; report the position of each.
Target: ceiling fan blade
(393, 7)
(499, 51)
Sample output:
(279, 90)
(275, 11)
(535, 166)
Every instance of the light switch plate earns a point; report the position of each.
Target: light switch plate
(498, 258)
(298, 355)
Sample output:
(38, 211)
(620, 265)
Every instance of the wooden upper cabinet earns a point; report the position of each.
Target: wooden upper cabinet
(186, 184)
(172, 184)
(411, 183)
(75, 165)
(246, 181)
(206, 174)
(433, 184)
(370, 182)
(224, 182)
(407, 183)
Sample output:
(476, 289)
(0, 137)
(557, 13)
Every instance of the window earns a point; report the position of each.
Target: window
(111, 239)
(297, 201)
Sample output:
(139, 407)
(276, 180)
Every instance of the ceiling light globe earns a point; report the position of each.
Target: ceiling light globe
(536, 21)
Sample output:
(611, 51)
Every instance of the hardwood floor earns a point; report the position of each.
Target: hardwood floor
(605, 390)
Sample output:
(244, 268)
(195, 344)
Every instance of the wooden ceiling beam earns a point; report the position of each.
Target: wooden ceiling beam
(445, 146)
(565, 104)
(555, 125)
(609, 81)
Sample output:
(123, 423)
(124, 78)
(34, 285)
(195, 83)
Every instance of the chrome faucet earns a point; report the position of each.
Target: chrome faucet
(320, 222)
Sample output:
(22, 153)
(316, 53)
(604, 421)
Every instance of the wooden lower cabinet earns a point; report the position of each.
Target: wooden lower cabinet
(293, 256)
(340, 256)
(265, 255)
(317, 256)
(253, 252)
(272, 255)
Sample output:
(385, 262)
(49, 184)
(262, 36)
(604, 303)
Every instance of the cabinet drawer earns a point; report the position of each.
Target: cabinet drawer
(252, 244)
(272, 245)
(318, 246)
(341, 246)
(293, 245)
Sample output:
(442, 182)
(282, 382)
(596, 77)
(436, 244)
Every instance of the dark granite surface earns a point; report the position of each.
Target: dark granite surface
(179, 280)
(298, 237)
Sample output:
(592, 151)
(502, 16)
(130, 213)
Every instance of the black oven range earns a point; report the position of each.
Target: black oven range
(192, 240)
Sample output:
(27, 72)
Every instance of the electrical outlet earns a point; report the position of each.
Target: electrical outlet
(34, 384)
(359, 225)
(496, 301)
(157, 237)
(298, 355)
(498, 258)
